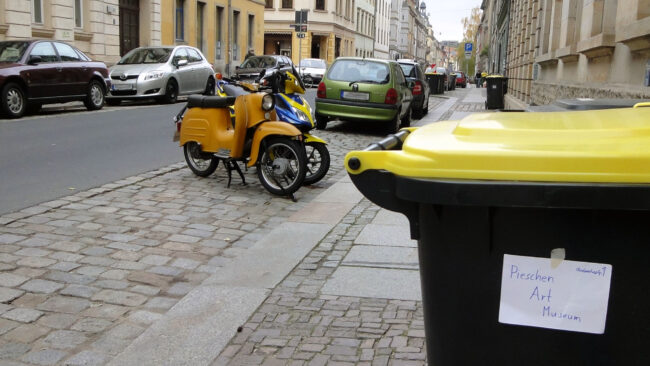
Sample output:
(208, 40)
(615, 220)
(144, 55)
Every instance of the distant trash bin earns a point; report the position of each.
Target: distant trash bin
(496, 85)
(494, 196)
(436, 83)
(452, 81)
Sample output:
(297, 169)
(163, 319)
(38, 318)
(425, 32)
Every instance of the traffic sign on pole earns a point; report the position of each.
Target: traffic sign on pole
(468, 47)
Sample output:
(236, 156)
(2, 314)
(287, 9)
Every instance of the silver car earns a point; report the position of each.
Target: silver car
(162, 73)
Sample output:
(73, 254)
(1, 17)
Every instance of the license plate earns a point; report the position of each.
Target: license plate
(355, 95)
(122, 86)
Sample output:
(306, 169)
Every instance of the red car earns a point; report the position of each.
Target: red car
(461, 79)
(35, 72)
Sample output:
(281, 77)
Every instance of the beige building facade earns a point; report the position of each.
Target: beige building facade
(330, 33)
(578, 48)
(97, 27)
(224, 30)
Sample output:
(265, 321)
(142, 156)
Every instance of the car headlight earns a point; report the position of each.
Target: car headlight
(268, 102)
(154, 75)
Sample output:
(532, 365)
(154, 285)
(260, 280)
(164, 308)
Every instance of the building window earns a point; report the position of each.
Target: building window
(219, 53)
(251, 28)
(320, 4)
(268, 4)
(235, 35)
(180, 21)
(78, 14)
(199, 25)
(287, 4)
(37, 11)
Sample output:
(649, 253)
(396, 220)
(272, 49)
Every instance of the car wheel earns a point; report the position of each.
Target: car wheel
(14, 102)
(113, 102)
(321, 122)
(171, 92)
(95, 97)
(393, 125)
(209, 88)
(406, 120)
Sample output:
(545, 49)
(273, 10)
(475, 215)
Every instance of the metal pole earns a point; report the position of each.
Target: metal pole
(229, 14)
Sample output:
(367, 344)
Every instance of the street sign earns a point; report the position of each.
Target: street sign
(300, 27)
(301, 35)
(468, 55)
(468, 47)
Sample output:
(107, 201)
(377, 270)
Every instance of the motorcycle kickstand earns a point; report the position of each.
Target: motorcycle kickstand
(290, 195)
(230, 166)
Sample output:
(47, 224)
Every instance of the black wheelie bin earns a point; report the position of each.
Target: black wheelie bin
(496, 90)
(532, 233)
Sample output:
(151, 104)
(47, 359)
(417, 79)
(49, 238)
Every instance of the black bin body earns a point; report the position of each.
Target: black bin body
(452, 82)
(495, 92)
(436, 83)
(464, 228)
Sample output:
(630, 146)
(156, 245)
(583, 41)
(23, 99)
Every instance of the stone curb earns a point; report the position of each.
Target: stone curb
(66, 200)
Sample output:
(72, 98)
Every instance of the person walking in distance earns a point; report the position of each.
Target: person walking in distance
(477, 77)
(251, 52)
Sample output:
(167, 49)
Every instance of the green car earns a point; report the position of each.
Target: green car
(355, 89)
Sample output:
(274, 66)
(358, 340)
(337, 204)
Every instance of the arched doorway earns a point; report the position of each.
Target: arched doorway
(129, 25)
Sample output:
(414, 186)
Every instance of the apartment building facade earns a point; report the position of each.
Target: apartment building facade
(330, 34)
(103, 29)
(224, 30)
(593, 48)
(364, 40)
(382, 29)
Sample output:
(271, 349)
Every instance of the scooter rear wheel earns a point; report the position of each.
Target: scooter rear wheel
(200, 163)
(282, 166)
(318, 162)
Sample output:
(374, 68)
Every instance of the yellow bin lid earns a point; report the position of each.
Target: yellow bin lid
(598, 146)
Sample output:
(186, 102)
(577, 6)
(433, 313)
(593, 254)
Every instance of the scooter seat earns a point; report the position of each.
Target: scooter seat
(203, 101)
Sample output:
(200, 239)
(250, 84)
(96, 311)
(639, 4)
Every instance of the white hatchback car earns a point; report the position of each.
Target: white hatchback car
(162, 73)
(314, 67)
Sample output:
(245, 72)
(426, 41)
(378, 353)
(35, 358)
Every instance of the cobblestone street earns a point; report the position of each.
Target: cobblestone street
(83, 276)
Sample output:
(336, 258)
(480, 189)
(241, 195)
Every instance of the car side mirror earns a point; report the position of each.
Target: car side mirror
(180, 63)
(33, 60)
(410, 84)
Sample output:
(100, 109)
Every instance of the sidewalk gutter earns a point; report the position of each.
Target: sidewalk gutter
(199, 326)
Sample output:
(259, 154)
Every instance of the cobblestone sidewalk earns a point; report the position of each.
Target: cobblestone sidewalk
(297, 325)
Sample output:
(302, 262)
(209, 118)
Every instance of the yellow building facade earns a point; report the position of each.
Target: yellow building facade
(224, 30)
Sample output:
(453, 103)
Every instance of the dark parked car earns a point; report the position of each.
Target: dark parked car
(250, 69)
(461, 79)
(413, 72)
(33, 73)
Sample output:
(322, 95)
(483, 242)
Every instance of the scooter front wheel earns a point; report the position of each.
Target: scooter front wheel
(282, 166)
(200, 163)
(318, 161)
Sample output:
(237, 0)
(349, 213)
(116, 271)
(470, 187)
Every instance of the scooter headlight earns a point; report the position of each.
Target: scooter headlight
(268, 102)
(301, 115)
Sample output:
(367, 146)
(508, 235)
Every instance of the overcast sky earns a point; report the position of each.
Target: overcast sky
(445, 16)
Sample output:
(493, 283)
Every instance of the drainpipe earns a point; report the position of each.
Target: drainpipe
(229, 15)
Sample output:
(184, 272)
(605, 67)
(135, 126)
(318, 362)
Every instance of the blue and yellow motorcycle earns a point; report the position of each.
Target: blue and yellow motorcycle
(290, 107)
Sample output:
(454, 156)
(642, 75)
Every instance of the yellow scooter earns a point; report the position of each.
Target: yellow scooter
(256, 138)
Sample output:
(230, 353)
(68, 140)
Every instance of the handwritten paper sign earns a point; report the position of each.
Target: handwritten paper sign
(570, 296)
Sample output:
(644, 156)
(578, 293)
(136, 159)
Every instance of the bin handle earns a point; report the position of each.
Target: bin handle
(391, 142)
(642, 104)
